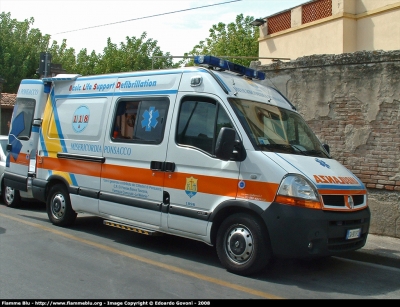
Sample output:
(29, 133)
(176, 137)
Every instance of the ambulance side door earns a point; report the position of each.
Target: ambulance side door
(200, 181)
(132, 176)
(24, 133)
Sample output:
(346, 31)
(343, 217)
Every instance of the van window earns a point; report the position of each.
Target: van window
(200, 120)
(23, 118)
(140, 121)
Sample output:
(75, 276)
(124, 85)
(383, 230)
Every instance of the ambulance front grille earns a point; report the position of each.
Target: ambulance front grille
(339, 200)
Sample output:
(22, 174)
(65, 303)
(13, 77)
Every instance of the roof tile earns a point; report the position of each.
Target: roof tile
(8, 100)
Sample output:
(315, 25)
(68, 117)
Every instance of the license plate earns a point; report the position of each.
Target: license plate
(353, 233)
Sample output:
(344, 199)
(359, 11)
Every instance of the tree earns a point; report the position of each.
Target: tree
(63, 55)
(20, 49)
(237, 40)
(133, 55)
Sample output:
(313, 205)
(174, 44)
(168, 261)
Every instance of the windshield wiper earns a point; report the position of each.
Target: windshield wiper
(291, 148)
(318, 152)
(287, 148)
(300, 150)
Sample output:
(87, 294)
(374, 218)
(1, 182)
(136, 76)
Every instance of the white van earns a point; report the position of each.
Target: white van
(207, 153)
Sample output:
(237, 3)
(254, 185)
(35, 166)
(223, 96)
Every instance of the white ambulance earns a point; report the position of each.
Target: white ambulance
(206, 152)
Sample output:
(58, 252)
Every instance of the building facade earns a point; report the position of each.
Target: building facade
(331, 27)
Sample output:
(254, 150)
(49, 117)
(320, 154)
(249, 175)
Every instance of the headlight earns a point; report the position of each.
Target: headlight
(295, 190)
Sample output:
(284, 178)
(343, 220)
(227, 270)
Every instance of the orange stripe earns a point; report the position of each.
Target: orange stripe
(205, 184)
(253, 190)
(133, 174)
(21, 159)
(71, 166)
(341, 192)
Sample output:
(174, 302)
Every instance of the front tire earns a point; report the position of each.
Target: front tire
(11, 197)
(243, 244)
(58, 206)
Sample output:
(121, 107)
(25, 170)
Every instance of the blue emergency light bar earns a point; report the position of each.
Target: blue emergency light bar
(62, 77)
(226, 65)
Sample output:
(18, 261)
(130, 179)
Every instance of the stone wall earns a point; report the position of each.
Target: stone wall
(352, 102)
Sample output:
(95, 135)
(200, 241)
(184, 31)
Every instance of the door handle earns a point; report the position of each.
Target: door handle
(162, 166)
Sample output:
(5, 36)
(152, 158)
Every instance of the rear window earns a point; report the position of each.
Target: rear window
(23, 118)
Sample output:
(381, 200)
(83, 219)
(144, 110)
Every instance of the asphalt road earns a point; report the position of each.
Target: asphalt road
(92, 261)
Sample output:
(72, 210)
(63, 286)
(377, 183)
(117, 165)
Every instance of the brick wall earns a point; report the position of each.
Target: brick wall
(352, 102)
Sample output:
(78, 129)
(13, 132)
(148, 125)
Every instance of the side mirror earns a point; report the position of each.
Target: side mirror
(225, 143)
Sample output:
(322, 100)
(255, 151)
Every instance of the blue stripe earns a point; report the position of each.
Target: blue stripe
(43, 144)
(102, 94)
(98, 95)
(35, 129)
(339, 187)
(73, 179)
(31, 81)
(57, 121)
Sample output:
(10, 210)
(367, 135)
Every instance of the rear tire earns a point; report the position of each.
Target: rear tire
(243, 245)
(58, 206)
(11, 197)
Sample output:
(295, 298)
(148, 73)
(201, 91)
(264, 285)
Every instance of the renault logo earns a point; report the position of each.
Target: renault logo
(350, 201)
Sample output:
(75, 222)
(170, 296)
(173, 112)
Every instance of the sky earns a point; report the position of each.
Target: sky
(177, 25)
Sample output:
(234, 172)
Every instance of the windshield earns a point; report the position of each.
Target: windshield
(276, 129)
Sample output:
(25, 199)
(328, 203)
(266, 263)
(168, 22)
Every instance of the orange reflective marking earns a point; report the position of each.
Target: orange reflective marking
(254, 190)
(341, 192)
(133, 174)
(71, 166)
(21, 159)
(205, 184)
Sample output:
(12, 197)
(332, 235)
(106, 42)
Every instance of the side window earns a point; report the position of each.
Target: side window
(125, 119)
(141, 121)
(200, 120)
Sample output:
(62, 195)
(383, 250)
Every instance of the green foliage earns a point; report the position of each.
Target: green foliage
(235, 41)
(20, 49)
(63, 55)
(135, 54)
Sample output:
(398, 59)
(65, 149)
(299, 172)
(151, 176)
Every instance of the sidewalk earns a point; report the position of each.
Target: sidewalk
(378, 250)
